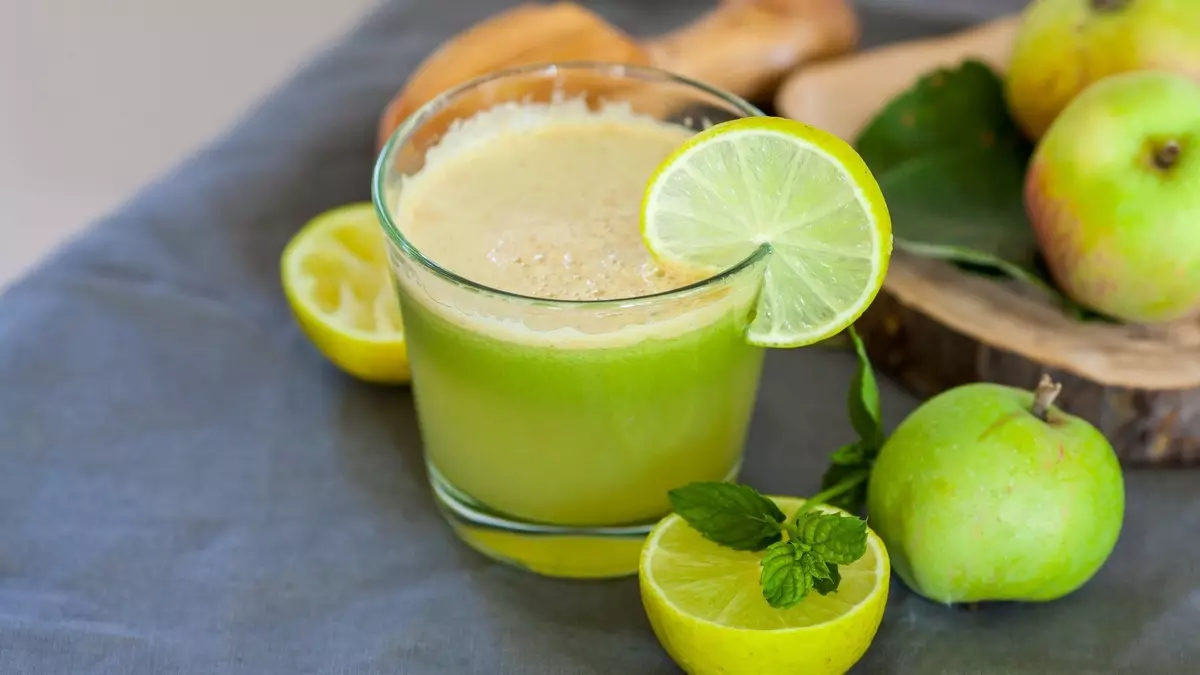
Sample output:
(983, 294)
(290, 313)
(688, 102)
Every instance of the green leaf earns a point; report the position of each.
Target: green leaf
(730, 514)
(828, 584)
(949, 108)
(835, 538)
(856, 475)
(814, 567)
(786, 576)
(863, 402)
(852, 454)
(951, 163)
(844, 484)
(963, 198)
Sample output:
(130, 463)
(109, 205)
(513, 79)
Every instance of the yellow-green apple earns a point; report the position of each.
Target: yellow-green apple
(1062, 46)
(1113, 194)
(988, 492)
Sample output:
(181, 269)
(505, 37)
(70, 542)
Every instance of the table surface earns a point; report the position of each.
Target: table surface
(187, 487)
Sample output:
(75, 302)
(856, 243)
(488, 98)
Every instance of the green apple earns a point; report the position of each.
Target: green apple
(1062, 46)
(1113, 194)
(988, 492)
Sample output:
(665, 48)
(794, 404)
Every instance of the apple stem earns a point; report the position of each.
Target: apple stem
(1043, 397)
(1108, 5)
(1167, 155)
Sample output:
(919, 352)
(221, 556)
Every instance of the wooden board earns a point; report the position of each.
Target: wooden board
(935, 327)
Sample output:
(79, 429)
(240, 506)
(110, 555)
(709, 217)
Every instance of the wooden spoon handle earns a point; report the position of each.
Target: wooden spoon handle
(843, 95)
(747, 46)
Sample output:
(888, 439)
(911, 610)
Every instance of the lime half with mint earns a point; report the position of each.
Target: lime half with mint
(802, 191)
(706, 606)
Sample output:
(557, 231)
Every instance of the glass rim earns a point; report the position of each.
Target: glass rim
(405, 130)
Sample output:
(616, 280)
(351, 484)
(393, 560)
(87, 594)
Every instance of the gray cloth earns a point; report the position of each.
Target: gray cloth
(186, 486)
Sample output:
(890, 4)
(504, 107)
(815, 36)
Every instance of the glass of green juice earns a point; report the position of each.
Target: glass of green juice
(564, 380)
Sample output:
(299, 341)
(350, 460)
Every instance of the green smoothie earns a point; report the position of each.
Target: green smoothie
(584, 402)
(581, 436)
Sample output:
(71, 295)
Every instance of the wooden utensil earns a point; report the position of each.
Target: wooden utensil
(743, 46)
(842, 95)
(935, 327)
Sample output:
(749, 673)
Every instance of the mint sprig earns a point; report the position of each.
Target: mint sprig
(844, 484)
(817, 542)
(738, 517)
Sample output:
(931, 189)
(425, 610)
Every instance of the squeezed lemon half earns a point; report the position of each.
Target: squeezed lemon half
(336, 279)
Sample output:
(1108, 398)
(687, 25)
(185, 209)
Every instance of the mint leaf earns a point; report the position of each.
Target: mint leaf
(830, 583)
(835, 538)
(786, 578)
(863, 404)
(816, 568)
(846, 486)
(852, 454)
(789, 572)
(731, 515)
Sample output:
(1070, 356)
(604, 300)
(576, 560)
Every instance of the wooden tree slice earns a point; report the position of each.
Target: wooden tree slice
(934, 327)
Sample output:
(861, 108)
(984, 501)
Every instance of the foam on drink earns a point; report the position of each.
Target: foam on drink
(543, 200)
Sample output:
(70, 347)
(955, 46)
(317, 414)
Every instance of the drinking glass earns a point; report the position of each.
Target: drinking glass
(553, 429)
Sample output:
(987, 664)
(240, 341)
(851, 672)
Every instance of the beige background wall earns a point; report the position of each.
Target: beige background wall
(97, 97)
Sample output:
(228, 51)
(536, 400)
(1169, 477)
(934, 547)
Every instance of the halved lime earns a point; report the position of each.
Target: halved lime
(706, 606)
(800, 190)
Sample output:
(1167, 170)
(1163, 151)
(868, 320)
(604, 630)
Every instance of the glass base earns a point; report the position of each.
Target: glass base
(550, 550)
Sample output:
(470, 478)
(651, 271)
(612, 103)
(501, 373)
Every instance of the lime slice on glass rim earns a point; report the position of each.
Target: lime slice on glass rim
(802, 191)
